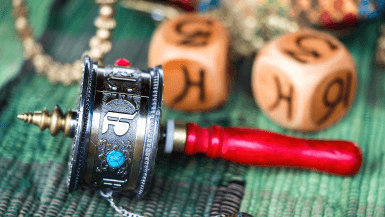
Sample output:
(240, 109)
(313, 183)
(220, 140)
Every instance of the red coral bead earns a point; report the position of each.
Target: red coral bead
(122, 62)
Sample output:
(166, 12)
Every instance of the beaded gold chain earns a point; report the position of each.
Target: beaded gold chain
(65, 73)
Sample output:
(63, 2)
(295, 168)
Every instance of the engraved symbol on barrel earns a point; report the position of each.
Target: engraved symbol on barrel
(119, 121)
(122, 81)
(114, 182)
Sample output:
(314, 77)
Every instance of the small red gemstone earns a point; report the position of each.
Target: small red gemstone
(122, 62)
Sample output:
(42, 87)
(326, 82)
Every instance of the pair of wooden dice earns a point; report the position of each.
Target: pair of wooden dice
(303, 81)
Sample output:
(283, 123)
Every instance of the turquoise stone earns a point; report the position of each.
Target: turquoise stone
(115, 159)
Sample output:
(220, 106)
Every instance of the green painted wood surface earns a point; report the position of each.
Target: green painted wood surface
(32, 163)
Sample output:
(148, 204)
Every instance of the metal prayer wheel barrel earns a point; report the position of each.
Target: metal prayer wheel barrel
(118, 128)
(115, 129)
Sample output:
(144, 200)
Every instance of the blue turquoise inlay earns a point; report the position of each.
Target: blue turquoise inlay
(115, 159)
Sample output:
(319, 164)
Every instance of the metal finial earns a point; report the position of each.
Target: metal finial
(55, 121)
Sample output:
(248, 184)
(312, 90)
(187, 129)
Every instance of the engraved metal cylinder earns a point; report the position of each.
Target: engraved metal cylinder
(117, 130)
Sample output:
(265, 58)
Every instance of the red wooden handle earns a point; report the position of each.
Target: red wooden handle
(258, 147)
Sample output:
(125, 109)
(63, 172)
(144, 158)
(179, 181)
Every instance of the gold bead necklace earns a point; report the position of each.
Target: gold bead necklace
(65, 73)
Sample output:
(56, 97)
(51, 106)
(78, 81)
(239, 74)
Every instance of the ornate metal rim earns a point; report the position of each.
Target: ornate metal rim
(152, 134)
(83, 127)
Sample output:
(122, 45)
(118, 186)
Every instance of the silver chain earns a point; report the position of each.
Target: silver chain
(126, 213)
(119, 209)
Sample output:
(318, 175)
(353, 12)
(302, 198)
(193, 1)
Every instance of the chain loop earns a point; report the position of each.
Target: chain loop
(120, 210)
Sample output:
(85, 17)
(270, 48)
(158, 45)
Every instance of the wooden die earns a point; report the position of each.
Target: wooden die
(304, 81)
(194, 52)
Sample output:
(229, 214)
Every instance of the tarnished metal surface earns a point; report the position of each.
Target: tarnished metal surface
(117, 129)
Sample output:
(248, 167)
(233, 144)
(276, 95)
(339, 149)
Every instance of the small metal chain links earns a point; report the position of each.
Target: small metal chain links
(126, 213)
(119, 209)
